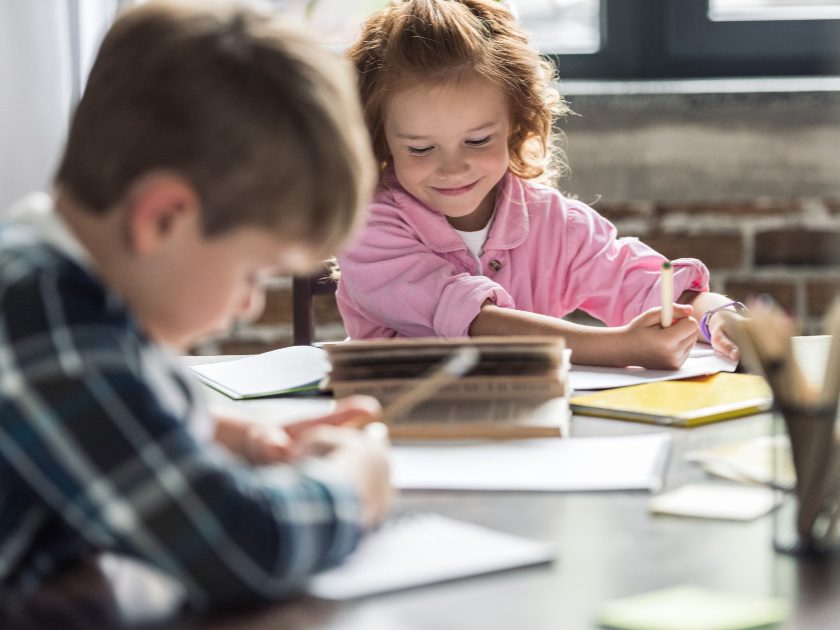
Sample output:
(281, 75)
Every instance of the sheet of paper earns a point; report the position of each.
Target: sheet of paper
(701, 361)
(718, 501)
(635, 462)
(266, 374)
(761, 460)
(425, 549)
(692, 608)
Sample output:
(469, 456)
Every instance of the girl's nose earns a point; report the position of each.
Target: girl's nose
(453, 163)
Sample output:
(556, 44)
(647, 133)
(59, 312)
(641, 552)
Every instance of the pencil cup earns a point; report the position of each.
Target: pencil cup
(807, 481)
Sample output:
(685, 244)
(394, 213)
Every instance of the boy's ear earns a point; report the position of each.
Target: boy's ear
(159, 205)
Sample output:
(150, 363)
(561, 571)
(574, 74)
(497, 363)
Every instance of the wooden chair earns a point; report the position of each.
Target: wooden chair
(304, 290)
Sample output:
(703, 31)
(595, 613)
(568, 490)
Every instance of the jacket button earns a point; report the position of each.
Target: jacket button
(495, 265)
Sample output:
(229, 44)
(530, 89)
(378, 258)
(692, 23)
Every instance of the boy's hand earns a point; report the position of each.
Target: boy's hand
(649, 345)
(272, 443)
(361, 458)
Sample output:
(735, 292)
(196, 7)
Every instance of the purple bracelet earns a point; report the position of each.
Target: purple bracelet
(738, 307)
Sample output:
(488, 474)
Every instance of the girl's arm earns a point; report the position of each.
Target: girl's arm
(642, 342)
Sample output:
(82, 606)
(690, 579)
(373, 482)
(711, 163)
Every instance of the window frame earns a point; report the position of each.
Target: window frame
(658, 39)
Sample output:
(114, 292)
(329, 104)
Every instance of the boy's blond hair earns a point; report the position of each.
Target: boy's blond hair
(415, 42)
(261, 121)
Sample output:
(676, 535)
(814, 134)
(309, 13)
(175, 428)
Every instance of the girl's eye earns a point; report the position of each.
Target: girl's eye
(419, 150)
(480, 142)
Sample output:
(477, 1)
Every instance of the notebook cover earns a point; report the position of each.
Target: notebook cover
(687, 403)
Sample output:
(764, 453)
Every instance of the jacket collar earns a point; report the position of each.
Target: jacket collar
(510, 221)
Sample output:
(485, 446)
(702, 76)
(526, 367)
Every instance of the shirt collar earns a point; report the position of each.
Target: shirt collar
(37, 211)
(509, 227)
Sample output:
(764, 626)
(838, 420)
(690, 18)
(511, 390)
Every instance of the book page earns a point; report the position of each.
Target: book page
(702, 361)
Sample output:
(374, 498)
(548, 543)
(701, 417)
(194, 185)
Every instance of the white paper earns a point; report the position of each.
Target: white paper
(424, 549)
(702, 360)
(762, 460)
(634, 462)
(268, 373)
(737, 503)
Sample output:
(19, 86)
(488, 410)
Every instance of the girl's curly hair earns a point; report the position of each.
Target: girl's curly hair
(414, 42)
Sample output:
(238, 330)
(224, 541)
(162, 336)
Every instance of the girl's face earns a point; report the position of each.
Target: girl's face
(449, 146)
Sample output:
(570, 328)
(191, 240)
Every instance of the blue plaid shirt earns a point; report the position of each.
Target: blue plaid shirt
(101, 447)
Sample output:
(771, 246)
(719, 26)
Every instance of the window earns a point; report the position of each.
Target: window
(561, 26)
(754, 37)
(756, 10)
(636, 39)
(556, 26)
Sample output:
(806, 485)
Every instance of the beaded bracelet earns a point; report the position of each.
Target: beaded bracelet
(738, 307)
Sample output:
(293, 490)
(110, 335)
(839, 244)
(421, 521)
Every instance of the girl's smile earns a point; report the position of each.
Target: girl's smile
(454, 192)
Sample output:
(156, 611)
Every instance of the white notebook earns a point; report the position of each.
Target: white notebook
(284, 371)
(425, 549)
(632, 462)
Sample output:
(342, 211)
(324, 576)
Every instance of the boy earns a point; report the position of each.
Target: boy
(195, 165)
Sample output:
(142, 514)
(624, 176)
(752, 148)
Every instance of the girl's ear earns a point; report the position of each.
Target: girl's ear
(160, 206)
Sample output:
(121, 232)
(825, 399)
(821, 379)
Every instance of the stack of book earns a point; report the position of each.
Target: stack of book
(517, 388)
(508, 367)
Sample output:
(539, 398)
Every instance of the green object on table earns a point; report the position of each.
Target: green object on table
(692, 608)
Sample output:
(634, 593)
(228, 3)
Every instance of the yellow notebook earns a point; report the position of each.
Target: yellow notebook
(684, 403)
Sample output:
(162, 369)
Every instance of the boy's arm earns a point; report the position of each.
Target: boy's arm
(102, 452)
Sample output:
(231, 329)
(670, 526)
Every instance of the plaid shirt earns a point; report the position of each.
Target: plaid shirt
(102, 448)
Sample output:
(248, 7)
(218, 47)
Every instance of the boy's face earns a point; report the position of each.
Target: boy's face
(449, 146)
(204, 285)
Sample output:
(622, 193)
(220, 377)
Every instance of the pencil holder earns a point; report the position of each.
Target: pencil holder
(807, 482)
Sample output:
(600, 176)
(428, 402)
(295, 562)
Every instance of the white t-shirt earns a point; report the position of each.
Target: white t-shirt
(475, 242)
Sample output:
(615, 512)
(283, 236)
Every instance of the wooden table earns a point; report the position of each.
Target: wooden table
(608, 546)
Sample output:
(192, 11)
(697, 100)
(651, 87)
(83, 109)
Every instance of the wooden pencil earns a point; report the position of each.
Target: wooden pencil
(461, 361)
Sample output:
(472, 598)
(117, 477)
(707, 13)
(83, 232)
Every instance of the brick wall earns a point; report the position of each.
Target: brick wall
(787, 248)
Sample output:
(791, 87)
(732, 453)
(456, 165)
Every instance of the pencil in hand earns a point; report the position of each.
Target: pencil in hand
(667, 286)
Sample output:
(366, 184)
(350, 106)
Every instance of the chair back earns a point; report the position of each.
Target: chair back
(304, 290)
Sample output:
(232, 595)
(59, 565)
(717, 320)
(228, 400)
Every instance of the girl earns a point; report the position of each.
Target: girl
(460, 239)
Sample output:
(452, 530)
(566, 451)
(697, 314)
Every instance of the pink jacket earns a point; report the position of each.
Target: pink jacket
(410, 274)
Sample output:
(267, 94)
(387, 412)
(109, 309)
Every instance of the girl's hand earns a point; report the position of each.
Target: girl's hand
(719, 323)
(648, 345)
